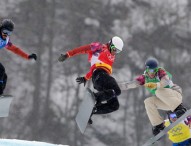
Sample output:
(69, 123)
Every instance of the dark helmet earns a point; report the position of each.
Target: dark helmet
(151, 63)
(7, 24)
(170, 115)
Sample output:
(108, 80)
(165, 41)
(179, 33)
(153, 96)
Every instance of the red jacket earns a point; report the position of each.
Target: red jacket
(98, 55)
(16, 50)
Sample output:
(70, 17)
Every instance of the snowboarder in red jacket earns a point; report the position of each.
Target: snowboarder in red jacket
(101, 57)
(6, 29)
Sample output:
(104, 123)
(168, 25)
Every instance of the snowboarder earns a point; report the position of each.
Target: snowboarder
(6, 29)
(180, 135)
(101, 56)
(165, 94)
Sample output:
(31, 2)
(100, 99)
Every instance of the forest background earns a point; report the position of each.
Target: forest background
(46, 94)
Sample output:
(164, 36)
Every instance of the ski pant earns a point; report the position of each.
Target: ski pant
(3, 78)
(165, 99)
(108, 90)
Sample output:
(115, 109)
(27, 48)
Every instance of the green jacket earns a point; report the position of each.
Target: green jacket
(156, 79)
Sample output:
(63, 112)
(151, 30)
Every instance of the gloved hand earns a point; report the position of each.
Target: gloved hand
(62, 57)
(81, 80)
(188, 121)
(151, 85)
(32, 56)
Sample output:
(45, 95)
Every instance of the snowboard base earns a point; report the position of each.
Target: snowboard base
(5, 102)
(85, 110)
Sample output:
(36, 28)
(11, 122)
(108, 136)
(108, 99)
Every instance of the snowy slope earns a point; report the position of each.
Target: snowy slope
(15, 142)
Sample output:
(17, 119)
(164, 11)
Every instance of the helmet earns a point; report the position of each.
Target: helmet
(7, 24)
(117, 43)
(151, 63)
(171, 115)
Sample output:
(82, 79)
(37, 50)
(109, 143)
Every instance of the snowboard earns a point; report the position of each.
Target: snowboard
(152, 140)
(5, 102)
(85, 110)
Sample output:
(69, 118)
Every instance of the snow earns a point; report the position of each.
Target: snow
(15, 142)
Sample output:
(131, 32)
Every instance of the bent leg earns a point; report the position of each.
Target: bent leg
(110, 106)
(107, 87)
(105, 95)
(152, 104)
(3, 77)
(170, 97)
(108, 90)
(2, 72)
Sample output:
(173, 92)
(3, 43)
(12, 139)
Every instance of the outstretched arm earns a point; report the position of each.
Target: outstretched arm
(76, 51)
(80, 50)
(129, 85)
(20, 52)
(140, 80)
(17, 50)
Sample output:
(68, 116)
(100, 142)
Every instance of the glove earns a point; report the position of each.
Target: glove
(32, 56)
(188, 121)
(150, 85)
(62, 57)
(81, 80)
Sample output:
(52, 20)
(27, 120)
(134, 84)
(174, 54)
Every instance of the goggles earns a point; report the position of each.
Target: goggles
(114, 49)
(7, 32)
(152, 71)
(173, 115)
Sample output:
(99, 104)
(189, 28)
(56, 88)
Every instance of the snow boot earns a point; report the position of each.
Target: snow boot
(157, 129)
(90, 121)
(180, 110)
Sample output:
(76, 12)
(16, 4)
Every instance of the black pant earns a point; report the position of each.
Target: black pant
(108, 90)
(3, 79)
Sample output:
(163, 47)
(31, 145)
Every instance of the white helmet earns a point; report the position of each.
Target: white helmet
(117, 43)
